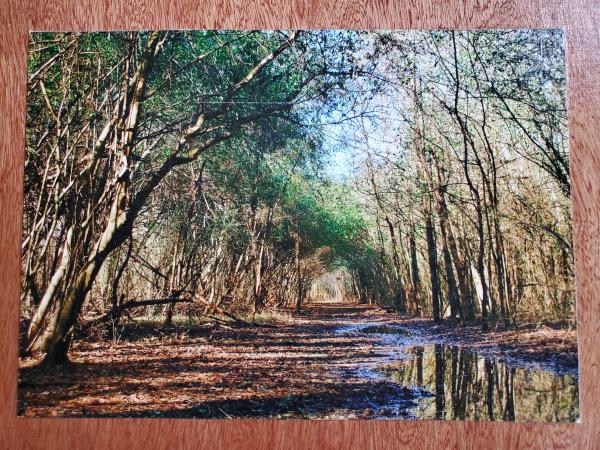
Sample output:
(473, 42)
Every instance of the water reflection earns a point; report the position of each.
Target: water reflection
(467, 386)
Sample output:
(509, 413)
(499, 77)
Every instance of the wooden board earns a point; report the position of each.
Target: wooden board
(581, 20)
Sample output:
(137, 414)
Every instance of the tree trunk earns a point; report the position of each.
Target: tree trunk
(298, 272)
(433, 265)
(450, 279)
(414, 270)
(44, 306)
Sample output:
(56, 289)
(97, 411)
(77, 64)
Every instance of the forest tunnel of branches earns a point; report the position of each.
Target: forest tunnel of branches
(190, 175)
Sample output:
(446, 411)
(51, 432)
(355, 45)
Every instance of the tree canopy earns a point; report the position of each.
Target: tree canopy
(197, 169)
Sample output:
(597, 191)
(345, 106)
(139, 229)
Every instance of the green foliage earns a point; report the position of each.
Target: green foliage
(259, 191)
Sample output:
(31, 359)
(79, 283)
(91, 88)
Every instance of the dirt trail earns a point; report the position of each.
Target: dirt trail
(304, 367)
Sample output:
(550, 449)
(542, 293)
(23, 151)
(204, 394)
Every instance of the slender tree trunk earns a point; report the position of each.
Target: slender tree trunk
(449, 243)
(450, 279)
(433, 266)
(117, 301)
(298, 266)
(481, 270)
(172, 285)
(500, 268)
(44, 306)
(414, 270)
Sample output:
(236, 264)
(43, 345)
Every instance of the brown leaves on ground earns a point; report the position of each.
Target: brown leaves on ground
(299, 369)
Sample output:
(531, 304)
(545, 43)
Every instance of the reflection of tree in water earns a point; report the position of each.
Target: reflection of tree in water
(467, 386)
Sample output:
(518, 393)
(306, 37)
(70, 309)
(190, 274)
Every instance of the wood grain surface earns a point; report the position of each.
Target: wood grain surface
(581, 19)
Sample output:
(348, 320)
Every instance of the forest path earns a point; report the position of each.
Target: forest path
(332, 360)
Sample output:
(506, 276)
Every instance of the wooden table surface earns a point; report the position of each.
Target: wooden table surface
(581, 19)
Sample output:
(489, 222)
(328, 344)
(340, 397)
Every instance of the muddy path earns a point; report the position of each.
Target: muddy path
(331, 361)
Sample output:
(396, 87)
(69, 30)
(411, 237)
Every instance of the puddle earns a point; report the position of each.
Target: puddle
(452, 382)
(386, 329)
(465, 385)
